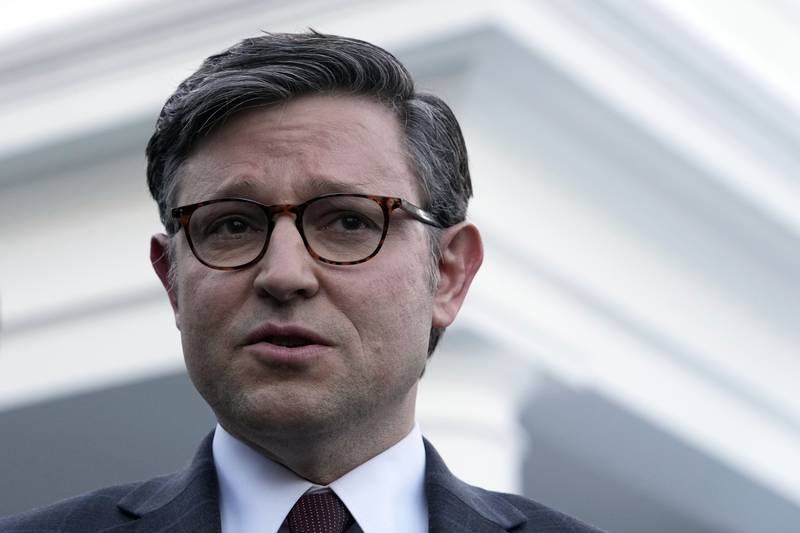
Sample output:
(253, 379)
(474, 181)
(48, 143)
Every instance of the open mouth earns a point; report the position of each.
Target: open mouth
(288, 341)
(294, 338)
(286, 345)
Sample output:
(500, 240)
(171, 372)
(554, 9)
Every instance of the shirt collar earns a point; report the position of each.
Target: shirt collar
(386, 494)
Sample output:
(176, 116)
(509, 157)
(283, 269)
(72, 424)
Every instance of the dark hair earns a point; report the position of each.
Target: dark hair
(276, 67)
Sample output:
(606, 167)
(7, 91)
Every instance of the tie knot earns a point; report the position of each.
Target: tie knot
(319, 512)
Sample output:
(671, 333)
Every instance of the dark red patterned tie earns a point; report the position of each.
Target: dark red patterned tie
(319, 512)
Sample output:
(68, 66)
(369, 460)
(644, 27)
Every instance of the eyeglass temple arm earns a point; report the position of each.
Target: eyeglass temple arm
(420, 214)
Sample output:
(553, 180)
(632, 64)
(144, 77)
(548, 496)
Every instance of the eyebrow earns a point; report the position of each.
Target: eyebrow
(315, 185)
(238, 185)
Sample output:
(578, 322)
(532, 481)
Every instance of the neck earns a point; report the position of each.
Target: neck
(326, 455)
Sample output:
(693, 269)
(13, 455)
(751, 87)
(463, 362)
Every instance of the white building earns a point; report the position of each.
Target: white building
(630, 352)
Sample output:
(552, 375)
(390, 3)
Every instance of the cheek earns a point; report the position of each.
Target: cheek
(207, 302)
(392, 313)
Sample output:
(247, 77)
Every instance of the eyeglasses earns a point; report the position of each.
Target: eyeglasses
(338, 229)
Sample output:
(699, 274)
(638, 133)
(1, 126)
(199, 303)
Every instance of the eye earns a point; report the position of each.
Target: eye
(230, 227)
(343, 218)
(347, 221)
(352, 221)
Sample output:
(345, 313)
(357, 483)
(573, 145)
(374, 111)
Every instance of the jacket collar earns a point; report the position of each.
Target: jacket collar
(455, 506)
(187, 501)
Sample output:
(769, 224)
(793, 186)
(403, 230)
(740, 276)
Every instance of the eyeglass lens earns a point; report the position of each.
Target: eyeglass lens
(340, 228)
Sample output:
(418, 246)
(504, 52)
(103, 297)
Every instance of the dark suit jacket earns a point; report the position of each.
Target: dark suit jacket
(187, 502)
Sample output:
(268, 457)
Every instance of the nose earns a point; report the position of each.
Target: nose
(287, 269)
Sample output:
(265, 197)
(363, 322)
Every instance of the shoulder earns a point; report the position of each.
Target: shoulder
(187, 496)
(80, 514)
(543, 518)
(454, 505)
(514, 511)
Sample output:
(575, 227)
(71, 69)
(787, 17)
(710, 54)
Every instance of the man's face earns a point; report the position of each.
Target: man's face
(363, 328)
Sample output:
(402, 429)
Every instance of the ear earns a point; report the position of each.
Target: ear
(159, 258)
(462, 255)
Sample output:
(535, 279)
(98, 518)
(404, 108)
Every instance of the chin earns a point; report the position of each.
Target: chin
(258, 414)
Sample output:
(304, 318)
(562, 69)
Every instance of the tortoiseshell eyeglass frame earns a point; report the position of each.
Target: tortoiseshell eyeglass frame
(388, 205)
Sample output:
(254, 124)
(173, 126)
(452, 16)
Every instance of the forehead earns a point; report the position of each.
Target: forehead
(309, 146)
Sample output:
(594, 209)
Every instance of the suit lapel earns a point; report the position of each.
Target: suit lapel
(185, 502)
(455, 506)
(188, 501)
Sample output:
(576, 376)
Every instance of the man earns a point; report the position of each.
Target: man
(316, 248)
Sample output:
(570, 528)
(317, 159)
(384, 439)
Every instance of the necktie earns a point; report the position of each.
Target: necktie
(319, 512)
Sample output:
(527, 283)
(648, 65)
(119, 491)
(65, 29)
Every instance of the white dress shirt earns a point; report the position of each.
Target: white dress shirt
(385, 495)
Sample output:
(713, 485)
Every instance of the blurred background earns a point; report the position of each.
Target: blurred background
(630, 352)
